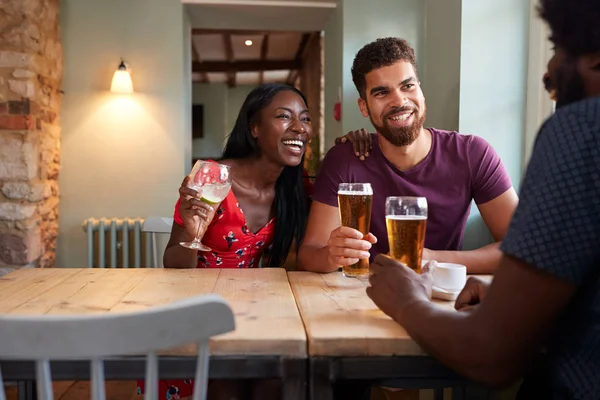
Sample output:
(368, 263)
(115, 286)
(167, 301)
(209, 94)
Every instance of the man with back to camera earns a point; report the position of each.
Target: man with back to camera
(447, 168)
(546, 290)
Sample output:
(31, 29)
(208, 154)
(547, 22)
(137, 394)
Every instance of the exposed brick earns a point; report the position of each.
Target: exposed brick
(6, 226)
(27, 224)
(16, 190)
(23, 73)
(19, 107)
(11, 59)
(22, 88)
(31, 63)
(30, 158)
(20, 249)
(17, 122)
(18, 159)
(10, 148)
(40, 191)
(14, 170)
(32, 192)
(16, 211)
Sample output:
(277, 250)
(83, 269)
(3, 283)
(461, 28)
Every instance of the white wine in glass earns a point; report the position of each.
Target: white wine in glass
(213, 181)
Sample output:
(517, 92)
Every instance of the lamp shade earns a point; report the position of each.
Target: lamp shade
(121, 81)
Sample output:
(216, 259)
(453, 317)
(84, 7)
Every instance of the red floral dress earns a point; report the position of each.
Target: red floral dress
(233, 244)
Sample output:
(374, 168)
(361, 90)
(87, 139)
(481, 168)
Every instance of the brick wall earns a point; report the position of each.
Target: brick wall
(311, 84)
(30, 79)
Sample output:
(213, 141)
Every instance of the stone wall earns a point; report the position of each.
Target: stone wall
(311, 84)
(30, 79)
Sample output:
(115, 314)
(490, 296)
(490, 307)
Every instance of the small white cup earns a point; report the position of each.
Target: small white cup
(449, 276)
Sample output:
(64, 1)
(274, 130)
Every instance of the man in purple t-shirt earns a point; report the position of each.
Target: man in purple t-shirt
(406, 159)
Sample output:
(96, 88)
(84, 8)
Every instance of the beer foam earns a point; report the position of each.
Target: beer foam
(355, 192)
(406, 217)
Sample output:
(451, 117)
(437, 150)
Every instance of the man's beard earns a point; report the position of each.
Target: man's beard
(402, 136)
(569, 84)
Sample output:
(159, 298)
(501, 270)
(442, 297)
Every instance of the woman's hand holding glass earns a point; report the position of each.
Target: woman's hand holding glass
(208, 183)
(195, 213)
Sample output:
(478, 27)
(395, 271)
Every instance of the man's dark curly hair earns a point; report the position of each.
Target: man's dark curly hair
(574, 24)
(380, 53)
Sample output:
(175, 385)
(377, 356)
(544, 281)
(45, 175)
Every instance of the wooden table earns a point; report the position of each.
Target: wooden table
(269, 340)
(349, 338)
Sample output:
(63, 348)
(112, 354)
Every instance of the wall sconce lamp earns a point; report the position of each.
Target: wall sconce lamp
(121, 81)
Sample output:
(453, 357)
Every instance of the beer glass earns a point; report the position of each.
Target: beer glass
(406, 222)
(355, 202)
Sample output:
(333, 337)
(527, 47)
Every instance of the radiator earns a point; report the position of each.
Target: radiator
(117, 243)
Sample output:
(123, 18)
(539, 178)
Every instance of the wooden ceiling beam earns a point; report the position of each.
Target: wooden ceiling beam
(264, 49)
(203, 75)
(244, 66)
(229, 55)
(231, 66)
(302, 46)
(293, 75)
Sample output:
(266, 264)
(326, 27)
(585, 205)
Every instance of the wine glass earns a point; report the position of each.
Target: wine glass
(213, 181)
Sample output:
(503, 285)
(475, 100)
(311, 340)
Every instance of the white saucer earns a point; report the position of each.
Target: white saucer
(443, 294)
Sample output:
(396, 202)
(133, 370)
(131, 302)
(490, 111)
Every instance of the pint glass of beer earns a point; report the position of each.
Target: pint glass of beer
(406, 222)
(355, 201)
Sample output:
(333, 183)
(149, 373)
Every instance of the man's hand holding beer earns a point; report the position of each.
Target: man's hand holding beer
(347, 245)
(395, 288)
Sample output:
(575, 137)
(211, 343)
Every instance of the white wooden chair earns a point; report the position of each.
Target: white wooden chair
(94, 337)
(155, 225)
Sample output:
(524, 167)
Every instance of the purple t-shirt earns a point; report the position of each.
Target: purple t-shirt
(458, 169)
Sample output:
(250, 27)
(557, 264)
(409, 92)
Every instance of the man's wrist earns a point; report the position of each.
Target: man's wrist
(410, 310)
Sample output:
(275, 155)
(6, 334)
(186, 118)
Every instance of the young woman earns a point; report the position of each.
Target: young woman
(266, 208)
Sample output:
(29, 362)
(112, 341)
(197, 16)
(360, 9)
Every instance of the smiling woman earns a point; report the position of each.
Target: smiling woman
(267, 205)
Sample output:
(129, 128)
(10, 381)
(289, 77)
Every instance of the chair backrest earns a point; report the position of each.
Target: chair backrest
(94, 337)
(155, 225)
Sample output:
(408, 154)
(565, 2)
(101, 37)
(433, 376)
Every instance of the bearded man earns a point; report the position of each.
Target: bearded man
(448, 168)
